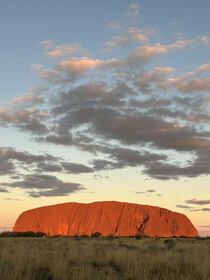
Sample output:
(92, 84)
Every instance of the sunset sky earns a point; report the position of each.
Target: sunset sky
(105, 100)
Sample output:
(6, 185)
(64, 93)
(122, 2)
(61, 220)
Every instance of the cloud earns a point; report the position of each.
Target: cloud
(11, 160)
(205, 209)
(158, 76)
(146, 53)
(26, 120)
(13, 199)
(204, 68)
(166, 171)
(119, 41)
(45, 186)
(36, 67)
(208, 226)
(114, 26)
(147, 191)
(57, 51)
(65, 50)
(106, 115)
(73, 69)
(9, 157)
(6, 228)
(204, 40)
(121, 157)
(133, 10)
(75, 168)
(75, 66)
(126, 38)
(139, 192)
(6, 166)
(137, 34)
(126, 111)
(198, 202)
(50, 75)
(27, 99)
(47, 43)
(183, 206)
(179, 44)
(195, 85)
(3, 190)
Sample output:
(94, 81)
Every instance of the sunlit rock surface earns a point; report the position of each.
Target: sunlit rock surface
(109, 217)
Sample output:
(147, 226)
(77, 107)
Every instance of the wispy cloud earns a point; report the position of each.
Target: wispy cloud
(198, 202)
(6, 228)
(47, 44)
(114, 25)
(133, 10)
(183, 206)
(65, 50)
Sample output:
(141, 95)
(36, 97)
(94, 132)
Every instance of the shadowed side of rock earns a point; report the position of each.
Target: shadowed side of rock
(109, 217)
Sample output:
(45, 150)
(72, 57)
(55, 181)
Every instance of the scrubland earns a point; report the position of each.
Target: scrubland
(66, 258)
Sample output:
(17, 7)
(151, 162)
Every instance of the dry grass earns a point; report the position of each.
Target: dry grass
(98, 258)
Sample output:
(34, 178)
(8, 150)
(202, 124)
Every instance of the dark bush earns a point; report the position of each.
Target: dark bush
(84, 236)
(96, 234)
(22, 234)
(110, 236)
(6, 234)
(138, 236)
(76, 237)
(56, 236)
(170, 243)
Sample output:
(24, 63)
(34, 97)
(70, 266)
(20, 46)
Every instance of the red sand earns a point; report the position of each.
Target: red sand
(109, 217)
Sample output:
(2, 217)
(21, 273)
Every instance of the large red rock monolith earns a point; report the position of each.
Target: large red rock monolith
(108, 217)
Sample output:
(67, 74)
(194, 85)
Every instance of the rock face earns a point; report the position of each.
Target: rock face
(109, 217)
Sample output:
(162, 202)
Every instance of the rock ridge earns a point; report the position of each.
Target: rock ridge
(106, 217)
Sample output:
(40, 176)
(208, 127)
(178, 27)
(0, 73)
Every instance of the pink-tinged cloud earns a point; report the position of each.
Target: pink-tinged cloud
(147, 53)
(204, 68)
(194, 85)
(76, 66)
(65, 50)
(50, 75)
(119, 41)
(47, 44)
(28, 98)
(54, 54)
(159, 74)
(36, 67)
(204, 40)
(21, 116)
(137, 34)
(179, 44)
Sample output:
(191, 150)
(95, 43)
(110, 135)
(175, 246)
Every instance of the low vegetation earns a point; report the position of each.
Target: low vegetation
(108, 258)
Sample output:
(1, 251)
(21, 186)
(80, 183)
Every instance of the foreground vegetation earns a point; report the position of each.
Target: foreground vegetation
(28, 258)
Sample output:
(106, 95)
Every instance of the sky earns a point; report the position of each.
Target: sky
(105, 100)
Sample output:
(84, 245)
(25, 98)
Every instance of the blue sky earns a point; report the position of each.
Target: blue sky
(105, 100)
(24, 24)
